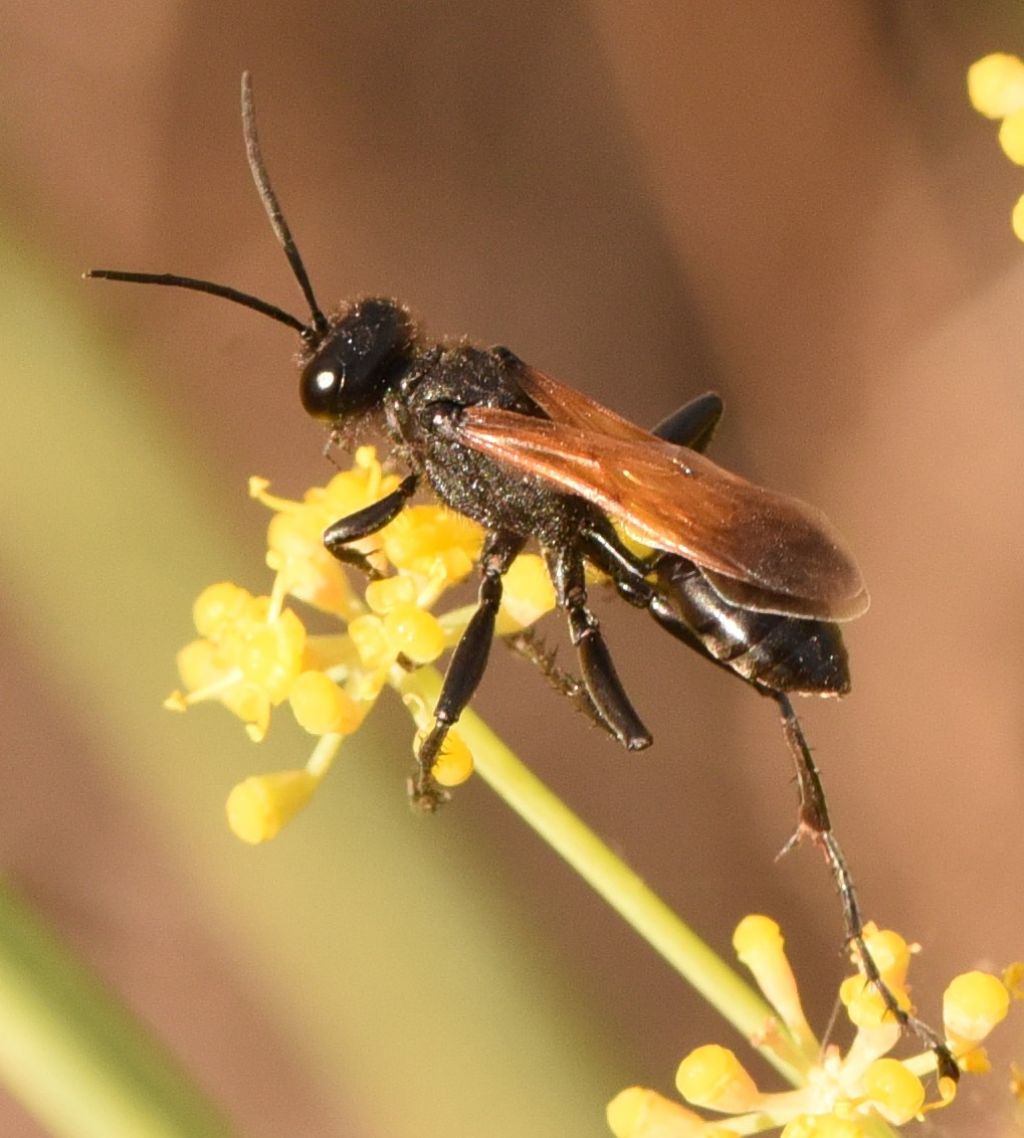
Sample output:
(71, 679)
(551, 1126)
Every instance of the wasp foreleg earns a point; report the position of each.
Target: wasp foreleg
(365, 522)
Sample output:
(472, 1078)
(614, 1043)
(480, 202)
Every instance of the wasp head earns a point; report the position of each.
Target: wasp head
(357, 361)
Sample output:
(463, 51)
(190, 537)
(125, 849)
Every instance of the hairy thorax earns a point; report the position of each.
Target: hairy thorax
(421, 418)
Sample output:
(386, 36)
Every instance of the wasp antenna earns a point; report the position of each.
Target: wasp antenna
(174, 281)
(258, 167)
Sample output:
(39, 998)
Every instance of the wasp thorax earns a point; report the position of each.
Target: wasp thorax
(357, 360)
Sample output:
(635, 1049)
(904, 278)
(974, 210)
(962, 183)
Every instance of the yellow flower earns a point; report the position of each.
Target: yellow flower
(258, 807)
(712, 1077)
(972, 1006)
(528, 594)
(1011, 137)
(249, 655)
(995, 86)
(853, 1095)
(640, 1113)
(758, 944)
(255, 654)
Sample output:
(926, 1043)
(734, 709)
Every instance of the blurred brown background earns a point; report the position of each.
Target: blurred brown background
(791, 203)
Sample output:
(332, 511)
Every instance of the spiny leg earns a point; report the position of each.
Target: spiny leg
(466, 667)
(599, 675)
(816, 824)
(604, 548)
(530, 645)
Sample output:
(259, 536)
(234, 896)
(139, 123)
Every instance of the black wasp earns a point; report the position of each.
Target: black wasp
(751, 579)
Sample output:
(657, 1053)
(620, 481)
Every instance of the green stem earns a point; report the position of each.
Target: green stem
(75, 1059)
(623, 889)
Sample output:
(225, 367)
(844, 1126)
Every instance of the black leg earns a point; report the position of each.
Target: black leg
(606, 690)
(693, 424)
(364, 522)
(467, 665)
(816, 824)
(629, 576)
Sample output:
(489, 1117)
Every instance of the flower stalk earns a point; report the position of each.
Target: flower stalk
(616, 882)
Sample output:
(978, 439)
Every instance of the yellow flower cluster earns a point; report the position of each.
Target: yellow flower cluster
(254, 654)
(995, 86)
(856, 1095)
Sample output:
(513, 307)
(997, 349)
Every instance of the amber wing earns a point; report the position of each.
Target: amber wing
(762, 549)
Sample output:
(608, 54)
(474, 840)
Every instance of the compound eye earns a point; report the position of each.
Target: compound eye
(320, 388)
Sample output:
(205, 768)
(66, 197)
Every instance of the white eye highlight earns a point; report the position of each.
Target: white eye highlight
(325, 380)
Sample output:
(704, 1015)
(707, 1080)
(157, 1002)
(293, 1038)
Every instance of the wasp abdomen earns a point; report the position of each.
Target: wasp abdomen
(780, 652)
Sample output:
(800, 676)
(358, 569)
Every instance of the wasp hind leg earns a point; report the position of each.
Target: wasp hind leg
(627, 572)
(816, 824)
